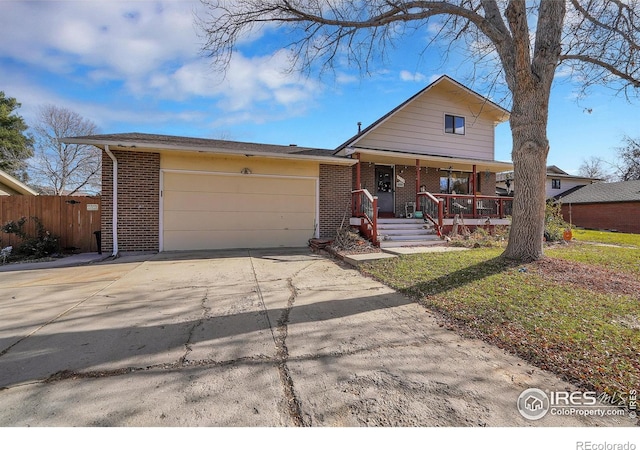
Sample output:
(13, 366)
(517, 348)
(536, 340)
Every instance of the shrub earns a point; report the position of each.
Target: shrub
(38, 246)
(554, 224)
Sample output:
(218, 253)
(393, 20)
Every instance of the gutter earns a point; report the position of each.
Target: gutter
(114, 219)
(156, 147)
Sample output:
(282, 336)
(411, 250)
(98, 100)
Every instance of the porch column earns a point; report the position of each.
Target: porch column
(417, 184)
(473, 189)
(358, 184)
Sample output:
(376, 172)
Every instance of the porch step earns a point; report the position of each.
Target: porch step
(432, 240)
(406, 232)
(400, 221)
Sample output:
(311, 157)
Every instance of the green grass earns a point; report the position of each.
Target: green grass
(607, 237)
(587, 337)
(613, 258)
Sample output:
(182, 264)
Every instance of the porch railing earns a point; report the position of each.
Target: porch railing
(365, 206)
(476, 206)
(432, 208)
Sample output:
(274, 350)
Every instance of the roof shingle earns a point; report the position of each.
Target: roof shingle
(622, 191)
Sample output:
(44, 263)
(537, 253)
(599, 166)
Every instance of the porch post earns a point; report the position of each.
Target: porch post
(358, 184)
(358, 204)
(473, 189)
(417, 184)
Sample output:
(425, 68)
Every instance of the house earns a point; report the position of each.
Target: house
(558, 182)
(435, 150)
(605, 206)
(433, 154)
(11, 186)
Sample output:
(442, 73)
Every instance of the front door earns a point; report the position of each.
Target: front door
(385, 189)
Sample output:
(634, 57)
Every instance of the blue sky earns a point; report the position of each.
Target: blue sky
(137, 66)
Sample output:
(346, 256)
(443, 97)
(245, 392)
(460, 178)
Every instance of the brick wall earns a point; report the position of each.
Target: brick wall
(138, 201)
(335, 198)
(367, 177)
(606, 216)
(430, 177)
(408, 192)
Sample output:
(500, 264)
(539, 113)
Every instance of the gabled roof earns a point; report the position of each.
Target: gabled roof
(14, 184)
(622, 191)
(555, 170)
(499, 111)
(144, 141)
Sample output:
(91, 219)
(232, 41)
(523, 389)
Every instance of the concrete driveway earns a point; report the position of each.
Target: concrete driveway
(242, 338)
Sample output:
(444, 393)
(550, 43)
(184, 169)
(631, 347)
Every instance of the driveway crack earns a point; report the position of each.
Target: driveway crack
(205, 313)
(282, 356)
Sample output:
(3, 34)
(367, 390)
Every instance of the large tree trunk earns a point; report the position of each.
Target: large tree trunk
(530, 149)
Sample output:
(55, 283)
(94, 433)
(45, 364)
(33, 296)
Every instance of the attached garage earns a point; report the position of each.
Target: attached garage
(167, 193)
(236, 210)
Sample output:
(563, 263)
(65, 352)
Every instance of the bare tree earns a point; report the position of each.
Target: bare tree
(59, 168)
(628, 166)
(594, 167)
(596, 40)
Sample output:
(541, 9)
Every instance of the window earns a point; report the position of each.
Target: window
(555, 183)
(454, 182)
(453, 124)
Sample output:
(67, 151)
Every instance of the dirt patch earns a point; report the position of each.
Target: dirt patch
(594, 278)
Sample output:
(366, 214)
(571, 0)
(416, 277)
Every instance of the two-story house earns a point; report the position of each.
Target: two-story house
(431, 158)
(435, 150)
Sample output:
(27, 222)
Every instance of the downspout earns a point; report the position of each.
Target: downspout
(114, 219)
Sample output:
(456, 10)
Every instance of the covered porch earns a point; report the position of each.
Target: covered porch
(438, 189)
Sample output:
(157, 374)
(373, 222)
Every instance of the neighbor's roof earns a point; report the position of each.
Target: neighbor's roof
(556, 172)
(15, 185)
(443, 79)
(622, 191)
(552, 172)
(150, 142)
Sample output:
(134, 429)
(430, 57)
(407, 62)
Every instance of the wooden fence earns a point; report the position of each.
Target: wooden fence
(73, 219)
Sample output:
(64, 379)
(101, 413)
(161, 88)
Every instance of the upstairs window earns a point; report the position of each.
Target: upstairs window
(555, 183)
(453, 124)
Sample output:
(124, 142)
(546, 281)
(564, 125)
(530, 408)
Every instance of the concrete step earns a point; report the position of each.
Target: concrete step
(407, 231)
(413, 234)
(407, 237)
(412, 243)
(399, 221)
(402, 226)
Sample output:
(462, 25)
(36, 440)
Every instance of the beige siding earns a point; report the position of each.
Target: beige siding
(235, 164)
(419, 127)
(215, 210)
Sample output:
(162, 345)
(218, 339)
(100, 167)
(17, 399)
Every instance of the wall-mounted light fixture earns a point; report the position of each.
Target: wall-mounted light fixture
(245, 171)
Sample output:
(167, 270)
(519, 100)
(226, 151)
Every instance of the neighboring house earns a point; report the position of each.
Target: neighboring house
(558, 182)
(605, 206)
(178, 193)
(11, 186)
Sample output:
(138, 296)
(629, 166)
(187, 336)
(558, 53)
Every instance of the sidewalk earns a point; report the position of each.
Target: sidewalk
(68, 261)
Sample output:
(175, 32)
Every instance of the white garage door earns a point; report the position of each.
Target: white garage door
(214, 210)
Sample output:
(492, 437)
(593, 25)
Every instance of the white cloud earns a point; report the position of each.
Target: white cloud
(417, 77)
(150, 49)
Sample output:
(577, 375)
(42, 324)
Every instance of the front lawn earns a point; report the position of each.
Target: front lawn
(607, 237)
(575, 313)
